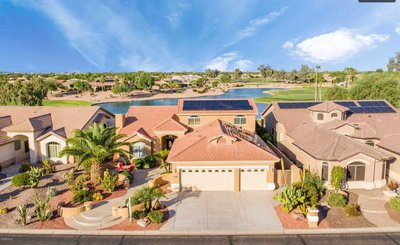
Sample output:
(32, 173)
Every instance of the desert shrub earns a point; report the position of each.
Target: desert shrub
(139, 163)
(25, 167)
(43, 210)
(337, 200)
(393, 185)
(48, 167)
(20, 180)
(3, 210)
(128, 175)
(337, 176)
(137, 214)
(70, 178)
(97, 196)
(22, 214)
(352, 210)
(155, 217)
(135, 200)
(395, 203)
(34, 176)
(149, 162)
(53, 191)
(109, 181)
(290, 198)
(83, 195)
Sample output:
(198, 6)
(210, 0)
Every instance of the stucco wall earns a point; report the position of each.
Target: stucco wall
(204, 119)
(43, 146)
(7, 154)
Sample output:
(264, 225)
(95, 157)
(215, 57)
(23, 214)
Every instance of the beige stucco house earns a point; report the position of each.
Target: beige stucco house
(361, 136)
(212, 143)
(32, 134)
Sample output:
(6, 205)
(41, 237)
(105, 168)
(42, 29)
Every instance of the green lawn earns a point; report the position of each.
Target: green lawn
(296, 94)
(66, 103)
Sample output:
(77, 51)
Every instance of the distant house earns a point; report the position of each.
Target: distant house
(105, 85)
(32, 134)
(361, 136)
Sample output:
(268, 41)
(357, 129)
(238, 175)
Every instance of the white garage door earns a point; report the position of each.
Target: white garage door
(207, 179)
(253, 179)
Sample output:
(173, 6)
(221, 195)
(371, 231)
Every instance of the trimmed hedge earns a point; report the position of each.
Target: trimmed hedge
(155, 217)
(337, 200)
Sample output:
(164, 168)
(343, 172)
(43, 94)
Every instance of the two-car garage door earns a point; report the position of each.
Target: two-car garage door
(219, 179)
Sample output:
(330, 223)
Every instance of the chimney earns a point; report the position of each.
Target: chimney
(119, 121)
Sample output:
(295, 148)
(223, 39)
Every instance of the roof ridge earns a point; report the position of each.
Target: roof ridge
(188, 147)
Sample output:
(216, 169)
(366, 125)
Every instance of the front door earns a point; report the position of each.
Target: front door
(26, 146)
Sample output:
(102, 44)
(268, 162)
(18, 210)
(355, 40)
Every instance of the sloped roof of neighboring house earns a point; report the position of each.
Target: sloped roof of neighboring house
(4, 122)
(328, 106)
(59, 120)
(204, 144)
(170, 124)
(226, 106)
(148, 118)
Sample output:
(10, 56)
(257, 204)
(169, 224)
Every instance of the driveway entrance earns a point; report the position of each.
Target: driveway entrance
(222, 211)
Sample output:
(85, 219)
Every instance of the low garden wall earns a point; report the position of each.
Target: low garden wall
(160, 180)
(67, 212)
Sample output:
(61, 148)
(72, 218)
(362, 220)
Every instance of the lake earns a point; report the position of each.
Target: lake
(122, 107)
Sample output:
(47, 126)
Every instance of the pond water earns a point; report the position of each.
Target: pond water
(122, 107)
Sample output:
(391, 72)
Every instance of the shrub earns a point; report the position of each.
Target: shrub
(34, 176)
(21, 209)
(395, 203)
(290, 198)
(25, 167)
(3, 210)
(149, 162)
(53, 191)
(109, 181)
(393, 185)
(70, 178)
(137, 214)
(156, 217)
(352, 210)
(337, 176)
(20, 180)
(83, 195)
(337, 200)
(48, 167)
(43, 211)
(135, 200)
(128, 175)
(139, 163)
(97, 196)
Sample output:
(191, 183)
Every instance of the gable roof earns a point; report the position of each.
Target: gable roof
(196, 146)
(328, 106)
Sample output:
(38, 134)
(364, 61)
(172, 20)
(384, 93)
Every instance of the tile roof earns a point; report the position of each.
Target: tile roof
(219, 141)
(328, 106)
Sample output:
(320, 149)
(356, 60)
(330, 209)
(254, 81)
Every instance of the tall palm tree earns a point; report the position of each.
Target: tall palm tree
(94, 146)
(162, 156)
(316, 81)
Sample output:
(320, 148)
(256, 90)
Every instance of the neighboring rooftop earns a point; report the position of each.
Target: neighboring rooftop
(202, 106)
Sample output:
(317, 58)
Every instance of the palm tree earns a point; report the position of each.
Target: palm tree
(94, 146)
(162, 156)
(147, 194)
(316, 81)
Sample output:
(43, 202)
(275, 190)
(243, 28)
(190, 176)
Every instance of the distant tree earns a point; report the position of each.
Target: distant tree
(380, 70)
(238, 73)
(198, 83)
(144, 80)
(305, 74)
(337, 93)
(213, 73)
(225, 78)
(394, 63)
(122, 89)
(81, 86)
(265, 71)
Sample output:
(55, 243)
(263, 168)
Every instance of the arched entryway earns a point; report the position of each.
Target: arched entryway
(167, 141)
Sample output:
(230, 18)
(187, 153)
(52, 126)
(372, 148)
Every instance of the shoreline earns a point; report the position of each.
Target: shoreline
(109, 97)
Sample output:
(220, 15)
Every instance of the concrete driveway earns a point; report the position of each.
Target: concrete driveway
(222, 211)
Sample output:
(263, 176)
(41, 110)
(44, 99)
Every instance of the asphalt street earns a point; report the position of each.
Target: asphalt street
(339, 239)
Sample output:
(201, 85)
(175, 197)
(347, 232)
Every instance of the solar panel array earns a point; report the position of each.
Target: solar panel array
(354, 107)
(216, 105)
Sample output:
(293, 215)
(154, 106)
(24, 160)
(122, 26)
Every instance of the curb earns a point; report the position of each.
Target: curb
(332, 231)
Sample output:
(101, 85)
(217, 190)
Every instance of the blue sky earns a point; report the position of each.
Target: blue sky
(179, 35)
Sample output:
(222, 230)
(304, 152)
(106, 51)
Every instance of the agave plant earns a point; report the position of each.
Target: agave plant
(43, 210)
(21, 209)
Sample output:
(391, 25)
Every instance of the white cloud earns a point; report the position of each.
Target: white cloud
(228, 61)
(397, 29)
(174, 19)
(257, 23)
(339, 45)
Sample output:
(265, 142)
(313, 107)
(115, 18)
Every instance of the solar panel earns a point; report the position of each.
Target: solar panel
(216, 105)
(346, 103)
(373, 103)
(297, 105)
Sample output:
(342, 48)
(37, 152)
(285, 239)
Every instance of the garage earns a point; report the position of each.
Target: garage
(253, 179)
(212, 179)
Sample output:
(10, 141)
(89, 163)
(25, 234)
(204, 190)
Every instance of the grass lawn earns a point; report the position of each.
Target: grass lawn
(295, 94)
(66, 103)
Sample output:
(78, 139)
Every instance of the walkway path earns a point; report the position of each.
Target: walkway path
(100, 216)
(372, 204)
(10, 171)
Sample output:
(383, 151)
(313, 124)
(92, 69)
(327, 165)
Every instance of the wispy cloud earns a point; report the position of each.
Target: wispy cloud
(228, 61)
(174, 19)
(338, 45)
(178, 10)
(397, 29)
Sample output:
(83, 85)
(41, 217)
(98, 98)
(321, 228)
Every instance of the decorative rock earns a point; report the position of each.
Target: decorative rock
(297, 216)
(143, 222)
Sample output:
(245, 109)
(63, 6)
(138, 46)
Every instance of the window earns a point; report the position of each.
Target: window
(53, 149)
(320, 116)
(138, 150)
(325, 171)
(239, 120)
(17, 145)
(194, 120)
(370, 142)
(356, 171)
(334, 115)
(383, 171)
(26, 146)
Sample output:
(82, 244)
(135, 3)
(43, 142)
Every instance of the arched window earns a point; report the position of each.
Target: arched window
(320, 116)
(356, 171)
(138, 150)
(53, 149)
(325, 171)
(333, 115)
(370, 142)
(239, 120)
(194, 120)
